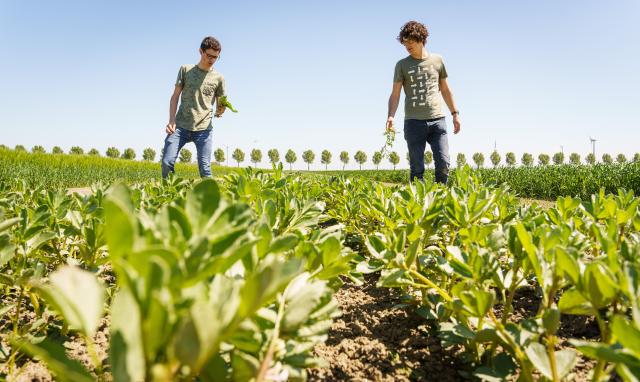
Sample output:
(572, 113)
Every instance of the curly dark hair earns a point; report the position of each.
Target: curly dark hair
(210, 43)
(415, 31)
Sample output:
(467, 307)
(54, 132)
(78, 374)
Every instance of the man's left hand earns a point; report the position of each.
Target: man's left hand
(219, 110)
(456, 124)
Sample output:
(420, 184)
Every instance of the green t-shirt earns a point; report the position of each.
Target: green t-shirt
(420, 80)
(199, 91)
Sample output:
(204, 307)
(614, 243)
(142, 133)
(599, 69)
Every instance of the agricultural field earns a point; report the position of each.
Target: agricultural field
(273, 276)
(76, 170)
(547, 182)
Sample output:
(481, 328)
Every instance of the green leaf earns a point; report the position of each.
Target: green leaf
(599, 284)
(375, 245)
(568, 264)
(54, 356)
(78, 296)
(503, 367)
(565, 361)
(551, 320)
(537, 354)
(261, 286)
(527, 244)
(244, 366)
(477, 301)
(598, 350)
(225, 102)
(5, 309)
(573, 302)
(458, 262)
(283, 243)
(215, 370)
(121, 226)
(629, 372)
(7, 250)
(393, 278)
(487, 335)
(301, 298)
(627, 335)
(179, 217)
(39, 240)
(330, 250)
(201, 203)
(6, 224)
(126, 349)
(412, 253)
(201, 333)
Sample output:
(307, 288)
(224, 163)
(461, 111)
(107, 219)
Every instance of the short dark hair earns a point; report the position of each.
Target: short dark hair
(210, 43)
(415, 31)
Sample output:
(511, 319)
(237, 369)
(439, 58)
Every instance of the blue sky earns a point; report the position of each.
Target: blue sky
(527, 76)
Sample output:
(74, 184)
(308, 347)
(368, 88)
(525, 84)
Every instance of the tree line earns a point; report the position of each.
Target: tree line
(360, 157)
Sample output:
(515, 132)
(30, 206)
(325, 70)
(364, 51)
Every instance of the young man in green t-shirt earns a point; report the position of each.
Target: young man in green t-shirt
(200, 86)
(424, 78)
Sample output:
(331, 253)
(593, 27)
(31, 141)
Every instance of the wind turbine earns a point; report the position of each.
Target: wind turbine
(593, 146)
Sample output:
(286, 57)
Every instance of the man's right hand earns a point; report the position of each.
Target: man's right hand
(390, 124)
(171, 128)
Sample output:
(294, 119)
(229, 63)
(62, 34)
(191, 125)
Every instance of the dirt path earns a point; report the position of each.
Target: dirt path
(79, 190)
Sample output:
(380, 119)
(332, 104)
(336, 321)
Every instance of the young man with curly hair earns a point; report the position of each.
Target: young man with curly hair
(200, 86)
(423, 77)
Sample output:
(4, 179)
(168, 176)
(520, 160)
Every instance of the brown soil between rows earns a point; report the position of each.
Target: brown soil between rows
(375, 341)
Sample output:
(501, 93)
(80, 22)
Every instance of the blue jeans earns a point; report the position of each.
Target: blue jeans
(419, 132)
(173, 143)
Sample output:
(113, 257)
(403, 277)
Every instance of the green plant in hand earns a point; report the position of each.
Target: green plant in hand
(223, 101)
(390, 137)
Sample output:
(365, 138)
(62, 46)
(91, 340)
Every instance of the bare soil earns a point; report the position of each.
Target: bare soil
(376, 341)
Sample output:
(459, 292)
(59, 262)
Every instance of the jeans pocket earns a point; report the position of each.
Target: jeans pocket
(412, 129)
(440, 126)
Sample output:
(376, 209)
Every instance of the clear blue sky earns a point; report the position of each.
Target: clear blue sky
(531, 76)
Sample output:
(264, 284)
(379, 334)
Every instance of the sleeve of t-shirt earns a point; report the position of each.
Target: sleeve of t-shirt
(443, 71)
(180, 79)
(221, 89)
(397, 73)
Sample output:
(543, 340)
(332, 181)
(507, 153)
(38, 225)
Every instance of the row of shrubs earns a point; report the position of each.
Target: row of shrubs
(360, 157)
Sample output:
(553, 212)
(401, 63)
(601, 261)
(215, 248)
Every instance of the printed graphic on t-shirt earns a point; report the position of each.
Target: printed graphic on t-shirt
(421, 81)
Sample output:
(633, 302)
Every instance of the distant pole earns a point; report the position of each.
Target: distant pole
(562, 149)
(227, 155)
(593, 146)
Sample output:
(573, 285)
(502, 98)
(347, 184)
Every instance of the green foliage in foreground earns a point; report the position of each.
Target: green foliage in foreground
(209, 284)
(234, 278)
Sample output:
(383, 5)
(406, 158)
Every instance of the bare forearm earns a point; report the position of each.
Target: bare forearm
(173, 107)
(448, 99)
(394, 101)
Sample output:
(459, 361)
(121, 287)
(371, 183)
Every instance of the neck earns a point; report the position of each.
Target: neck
(204, 66)
(422, 53)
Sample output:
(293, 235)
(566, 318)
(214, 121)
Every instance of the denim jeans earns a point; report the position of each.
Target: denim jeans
(419, 132)
(173, 143)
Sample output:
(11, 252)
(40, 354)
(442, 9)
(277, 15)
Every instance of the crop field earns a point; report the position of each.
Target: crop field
(542, 182)
(273, 276)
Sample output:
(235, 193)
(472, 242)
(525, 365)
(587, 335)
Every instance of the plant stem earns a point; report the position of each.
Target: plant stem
(429, 283)
(604, 336)
(264, 365)
(16, 318)
(552, 357)
(520, 356)
(91, 349)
